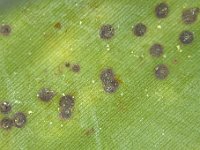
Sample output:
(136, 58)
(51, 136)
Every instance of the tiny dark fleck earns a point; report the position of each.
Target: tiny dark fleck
(46, 94)
(110, 84)
(89, 132)
(161, 71)
(67, 101)
(67, 64)
(107, 31)
(189, 16)
(186, 37)
(75, 68)
(162, 10)
(6, 123)
(19, 120)
(58, 25)
(65, 113)
(5, 107)
(139, 29)
(156, 50)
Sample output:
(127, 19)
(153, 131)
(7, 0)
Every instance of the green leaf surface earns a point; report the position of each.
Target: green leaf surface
(144, 112)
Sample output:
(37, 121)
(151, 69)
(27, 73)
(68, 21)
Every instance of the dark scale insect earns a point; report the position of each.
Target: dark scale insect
(110, 84)
(5, 30)
(162, 10)
(5, 107)
(107, 31)
(19, 120)
(46, 94)
(156, 50)
(186, 37)
(67, 101)
(161, 71)
(6, 123)
(139, 29)
(66, 105)
(189, 16)
(65, 113)
(75, 68)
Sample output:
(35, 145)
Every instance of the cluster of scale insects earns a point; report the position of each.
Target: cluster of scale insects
(109, 82)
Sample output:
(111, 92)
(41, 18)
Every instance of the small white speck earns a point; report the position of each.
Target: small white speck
(163, 133)
(50, 123)
(63, 94)
(141, 119)
(30, 112)
(180, 50)
(131, 52)
(189, 56)
(164, 56)
(147, 95)
(93, 81)
(61, 125)
(44, 33)
(178, 47)
(159, 27)
(17, 102)
(122, 94)
(80, 22)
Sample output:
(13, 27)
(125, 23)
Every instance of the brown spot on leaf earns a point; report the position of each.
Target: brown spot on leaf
(46, 94)
(156, 50)
(75, 68)
(106, 31)
(66, 105)
(6, 123)
(161, 71)
(5, 30)
(67, 64)
(89, 132)
(189, 16)
(110, 84)
(19, 120)
(58, 25)
(162, 10)
(139, 29)
(5, 107)
(186, 37)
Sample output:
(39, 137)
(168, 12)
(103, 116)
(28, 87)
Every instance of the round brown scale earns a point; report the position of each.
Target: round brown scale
(111, 87)
(76, 68)
(6, 123)
(156, 50)
(5, 30)
(65, 113)
(110, 84)
(19, 120)
(66, 102)
(189, 16)
(46, 94)
(5, 107)
(186, 37)
(106, 31)
(161, 71)
(162, 10)
(139, 29)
